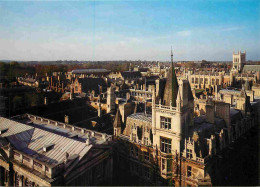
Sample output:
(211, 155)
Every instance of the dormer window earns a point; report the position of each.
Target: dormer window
(3, 130)
(48, 147)
(165, 123)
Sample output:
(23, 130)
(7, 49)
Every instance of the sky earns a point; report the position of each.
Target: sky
(129, 30)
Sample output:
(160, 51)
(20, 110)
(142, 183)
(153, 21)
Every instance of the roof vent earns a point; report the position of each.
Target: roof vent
(3, 130)
(48, 147)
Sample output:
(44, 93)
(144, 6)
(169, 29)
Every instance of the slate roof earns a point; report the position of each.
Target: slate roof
(255, 68)
(141, 117)
(75, 71)
(89, 84)
(131, 74)
(31, 141)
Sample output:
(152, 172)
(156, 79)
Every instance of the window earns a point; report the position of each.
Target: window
(134, 137)
(17, 154)
(146, 172)
(145, 141)
(192, 80)
(26, 158)
(201, 80)
(206, 80)
(165, 123)
(163, 164)
(188, 171)
(146, 156)
(217, 81)
(38, 164)
(196, 81)
(136, 152)
(136, 168)
(166, 145)
(98, 171)
(132, 150)
(169, 165)
(189, 153)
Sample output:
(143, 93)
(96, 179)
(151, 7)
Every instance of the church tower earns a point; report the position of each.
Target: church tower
(239, 60)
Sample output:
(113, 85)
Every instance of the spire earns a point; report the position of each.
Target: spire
(171, 57)
(171, 87)
(117, 122)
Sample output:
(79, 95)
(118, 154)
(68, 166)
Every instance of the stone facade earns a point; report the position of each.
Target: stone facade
(239, 60)
(179, 149)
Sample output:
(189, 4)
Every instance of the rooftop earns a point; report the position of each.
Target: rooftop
(30, 134)
(141, 117)
(90, 71)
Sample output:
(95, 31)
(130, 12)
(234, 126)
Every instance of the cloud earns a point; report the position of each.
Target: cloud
(184, 33)
(230, 29)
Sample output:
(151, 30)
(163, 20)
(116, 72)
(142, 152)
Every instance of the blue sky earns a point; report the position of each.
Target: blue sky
(129, 30)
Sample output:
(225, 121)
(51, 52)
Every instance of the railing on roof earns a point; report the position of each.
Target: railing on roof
(165, 107)
(71, 127)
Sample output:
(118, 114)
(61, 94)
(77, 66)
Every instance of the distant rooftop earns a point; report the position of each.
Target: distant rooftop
(255, 68)
(75, 71)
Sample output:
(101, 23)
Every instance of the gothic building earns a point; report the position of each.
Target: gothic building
(170, 146)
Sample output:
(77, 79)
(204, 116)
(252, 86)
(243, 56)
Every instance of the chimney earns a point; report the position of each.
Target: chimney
(99, 111)
(87, 141)
(210, 114)
(66, 119)
(45, 100)
(127, 96)
(66, 158)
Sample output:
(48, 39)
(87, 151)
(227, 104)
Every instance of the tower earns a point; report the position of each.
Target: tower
(110, 99)
(172, 115)
(239, 60)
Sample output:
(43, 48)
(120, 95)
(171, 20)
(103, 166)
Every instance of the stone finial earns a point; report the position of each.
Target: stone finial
(88, 141)
(66, 157)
